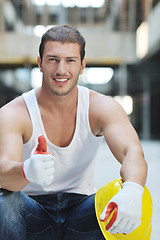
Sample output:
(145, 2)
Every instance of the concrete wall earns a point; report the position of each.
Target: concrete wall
(102, 48)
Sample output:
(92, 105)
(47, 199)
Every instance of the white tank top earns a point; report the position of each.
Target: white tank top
(74, 164)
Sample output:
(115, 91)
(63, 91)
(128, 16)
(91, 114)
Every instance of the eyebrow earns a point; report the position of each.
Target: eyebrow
(48, 55)
(71, 57)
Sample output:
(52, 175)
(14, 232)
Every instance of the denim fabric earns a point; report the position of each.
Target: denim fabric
(60, 216)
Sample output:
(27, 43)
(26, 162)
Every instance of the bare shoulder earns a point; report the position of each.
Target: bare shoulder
(13, 120)
(101, 99)
(108, 118)
(104, 111)
(102, 105)
(13, 116)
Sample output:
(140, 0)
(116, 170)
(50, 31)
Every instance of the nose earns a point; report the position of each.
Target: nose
(61, 68)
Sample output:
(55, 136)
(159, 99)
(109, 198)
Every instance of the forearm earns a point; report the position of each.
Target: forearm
(134, 167)
(11, 175)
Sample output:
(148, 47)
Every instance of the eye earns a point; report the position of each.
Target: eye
(53, 59)
(70, 60)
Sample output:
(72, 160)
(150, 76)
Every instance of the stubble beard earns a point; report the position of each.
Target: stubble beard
(58, 93)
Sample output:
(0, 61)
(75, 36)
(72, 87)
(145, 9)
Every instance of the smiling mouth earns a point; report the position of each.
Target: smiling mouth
(61, 79)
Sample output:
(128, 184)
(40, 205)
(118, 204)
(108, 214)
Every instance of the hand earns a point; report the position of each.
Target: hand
(127, 207)
(40, 167)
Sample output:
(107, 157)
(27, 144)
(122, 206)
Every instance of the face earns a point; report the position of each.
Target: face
(61, 66)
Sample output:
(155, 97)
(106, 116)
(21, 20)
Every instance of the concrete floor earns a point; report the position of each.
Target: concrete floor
(107, 169)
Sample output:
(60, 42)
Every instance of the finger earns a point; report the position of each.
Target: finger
(42, 145)
(46, 158)
(47, 181)
(114, 217)
(120, 227)
(111, 207)
(129, 227)
(49, 171)
(133, 227)
(50, 157)
(48, 165)
(114, 224)
(106, 212)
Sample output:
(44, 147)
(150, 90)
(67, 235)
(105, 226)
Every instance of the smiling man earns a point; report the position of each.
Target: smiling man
(61, 65)
(48, 190)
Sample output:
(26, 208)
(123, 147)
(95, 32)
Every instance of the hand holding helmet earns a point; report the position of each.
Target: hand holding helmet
(127, 207)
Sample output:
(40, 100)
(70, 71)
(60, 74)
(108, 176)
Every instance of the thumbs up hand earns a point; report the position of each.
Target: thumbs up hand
(39, 168)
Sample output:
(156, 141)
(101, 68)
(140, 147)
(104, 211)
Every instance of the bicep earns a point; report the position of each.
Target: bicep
(118, 131)
(120, 138)
(11, 144)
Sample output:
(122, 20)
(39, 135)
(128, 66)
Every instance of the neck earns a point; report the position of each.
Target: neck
(52, 102)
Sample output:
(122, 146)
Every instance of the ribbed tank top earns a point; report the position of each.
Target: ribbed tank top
(74, 164)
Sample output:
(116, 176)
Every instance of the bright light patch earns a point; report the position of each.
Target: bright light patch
(39, 2)
(126, 102)
(97, 75)
(39, 30)
(36, 78)
(48, 2)
(71, 3)
(54, 2)
(83, 3)
(142, 40)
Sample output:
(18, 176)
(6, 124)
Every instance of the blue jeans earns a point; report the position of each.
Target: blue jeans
(60, 216)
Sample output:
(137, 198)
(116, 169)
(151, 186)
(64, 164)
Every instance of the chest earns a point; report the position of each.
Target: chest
(60, 128)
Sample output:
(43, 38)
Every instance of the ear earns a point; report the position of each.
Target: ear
(83, 64)
(39, 63)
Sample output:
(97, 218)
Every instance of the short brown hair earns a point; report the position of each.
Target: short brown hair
(63, 33)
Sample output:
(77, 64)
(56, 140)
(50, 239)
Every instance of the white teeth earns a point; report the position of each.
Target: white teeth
(61, 80)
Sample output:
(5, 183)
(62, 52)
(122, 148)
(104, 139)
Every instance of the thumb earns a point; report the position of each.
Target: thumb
(111, 207)
(42, 146)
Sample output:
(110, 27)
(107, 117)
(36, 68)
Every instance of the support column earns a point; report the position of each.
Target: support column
(123, 80)
(62, 15)
(45, 15)
(146, 115)
(2, 17)
(132, 15)
(146, 105)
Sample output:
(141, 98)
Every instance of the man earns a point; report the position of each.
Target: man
(48, 193)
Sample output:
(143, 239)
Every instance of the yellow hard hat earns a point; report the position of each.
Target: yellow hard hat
(104, 195)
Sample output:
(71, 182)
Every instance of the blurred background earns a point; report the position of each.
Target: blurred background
(123, 60)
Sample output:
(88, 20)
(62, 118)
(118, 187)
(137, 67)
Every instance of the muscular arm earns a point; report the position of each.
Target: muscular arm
(11, 145)
(121, 138)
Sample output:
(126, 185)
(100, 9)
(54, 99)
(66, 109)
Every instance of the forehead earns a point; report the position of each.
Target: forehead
(60, 49)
